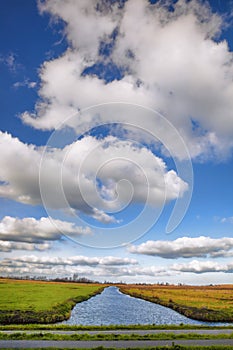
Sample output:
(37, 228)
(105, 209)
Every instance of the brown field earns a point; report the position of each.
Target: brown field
(205, 303)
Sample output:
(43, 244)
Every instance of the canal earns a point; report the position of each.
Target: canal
(114, 307)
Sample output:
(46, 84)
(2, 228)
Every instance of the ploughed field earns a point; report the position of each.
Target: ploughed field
(204, 303)
(24, 302)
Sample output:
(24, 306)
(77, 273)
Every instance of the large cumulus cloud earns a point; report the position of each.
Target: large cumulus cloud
(31, 230)
(186, 247)
(86, 175)
(170, 61)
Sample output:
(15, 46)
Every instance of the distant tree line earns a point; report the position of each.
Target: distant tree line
(75, 279)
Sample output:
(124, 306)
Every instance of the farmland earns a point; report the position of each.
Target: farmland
(37, 302)
(204, 303)
(24, 302)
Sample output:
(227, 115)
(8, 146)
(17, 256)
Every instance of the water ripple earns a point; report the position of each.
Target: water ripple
(113, 307)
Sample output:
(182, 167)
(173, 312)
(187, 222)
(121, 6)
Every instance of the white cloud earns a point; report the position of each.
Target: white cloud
(95, 267)
(87, 22)
(186, 247)
(227, 220)
(68, 176)
(75, 260)
(25, 83)
(30, 230)
(101, 216)
(19, 173)
(189, 81)
(103, 267)
(196, 266)
(7, 246)
(9, 60)
(68, 91)
(153, 271)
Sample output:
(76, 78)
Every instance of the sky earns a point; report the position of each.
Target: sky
(116, 140)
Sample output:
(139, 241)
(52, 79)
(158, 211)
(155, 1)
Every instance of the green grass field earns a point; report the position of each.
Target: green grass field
(205, 303)
(41, 302)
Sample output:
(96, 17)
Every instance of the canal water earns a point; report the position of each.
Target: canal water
(114, 307)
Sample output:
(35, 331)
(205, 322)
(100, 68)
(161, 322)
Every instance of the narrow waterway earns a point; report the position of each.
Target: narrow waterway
(113, 307)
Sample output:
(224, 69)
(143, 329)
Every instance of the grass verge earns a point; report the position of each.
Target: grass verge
(44, 327)
(110, 337)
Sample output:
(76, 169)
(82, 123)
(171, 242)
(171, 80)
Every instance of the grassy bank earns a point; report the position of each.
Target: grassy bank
(207, 303)
(110, 336)
(62, 327)
(24, 302)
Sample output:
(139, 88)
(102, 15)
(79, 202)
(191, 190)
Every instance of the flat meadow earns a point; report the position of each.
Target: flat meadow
(40, 302)
(204, 303)
(23, 301)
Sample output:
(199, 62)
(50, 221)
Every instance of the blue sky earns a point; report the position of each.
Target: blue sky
(116, 118)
